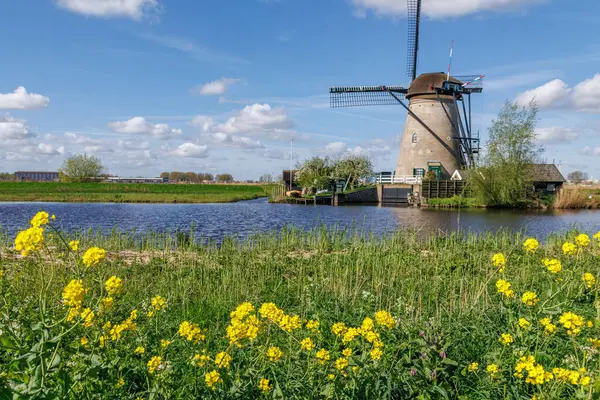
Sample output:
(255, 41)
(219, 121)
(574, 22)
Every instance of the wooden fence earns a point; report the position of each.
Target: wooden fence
(444, 189)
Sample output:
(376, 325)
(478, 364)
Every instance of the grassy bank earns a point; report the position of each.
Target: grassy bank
(453, 202)
(442, 293)
(128, 193)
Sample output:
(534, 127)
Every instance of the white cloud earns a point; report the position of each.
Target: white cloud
(439, 8)
(258, 120)
(556, 134)
(134, 9)
(48, 149)
(245, 142)
(21, 100)
(191, 150)
(373, 148)
(547, 95)
(218, 87)
(591, 151)
(13, 129)
(139, 126)
(585, 96)
(74, 138)
(335, 149)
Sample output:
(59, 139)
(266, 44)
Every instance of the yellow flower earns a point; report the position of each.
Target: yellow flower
(200, 360)
(29, 240)
(222, 360)
(384, 318)
(376, 353)
(139, 350)
(73, 293)
(506, 339)
(350, 334)
(341, 364)
(190, 331)
(529, 298)
(582, 240)
(212, 378)
(355, 369)
(339, 328)
(530, 246)
(307, 344)
(536, 375)
(503, 287)
(164, 343)
(74, 245)
(41, 218)
(523, 323)
(323, 355)
(492, 370)
(473, 367)
(585, 380)
(101, 340)
(93, 256)
(270, 311)
(312, 325)
(553, 265)
(569, 249)
(347, 352)
(274, 353)
(571, 322)
(154, 363)
(88, 317)
(73, 315)
(499, 261)
(367, 325)
(264, 385)
(589, 280)
(150, 314)
(566, 375)
(290, 322)
(120, 383)
(597, 236)
(242, 311)
(159, 303)
(595, 342)
(83, 341)
(331, 377)
(113, 285)
(549, 327)
(106, 303)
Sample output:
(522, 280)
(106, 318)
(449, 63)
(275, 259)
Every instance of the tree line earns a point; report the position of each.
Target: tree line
(195, 177)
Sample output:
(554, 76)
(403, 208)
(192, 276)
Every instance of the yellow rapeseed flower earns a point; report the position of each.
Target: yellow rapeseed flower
(242, 311)
(270, 311)
(323, 355)
(73, 293)
(154, 363)
(503, 287)
(29, 240)
(307, 344)
(200, 360)
(331, 377)
(492, 370)
(473, 367)
(506, 339)
(582, 240)
(569, 249)
(313, 325)
(566, 375)
(88, 317)
(120, 383)
(339, 328)
(571, 322)
(83, 341)
(113, 285)
(212, 378)
(585, 380)
(384, 318)
(222, 360)
(164, 343)
(350, 335)
(107, 303)
(523, 323)
(159, 303)
(536, 375)
(40, 219)
(499, 261)
(274, 353)
(553, 265)
(290, 322)
(341, 364)
(139, 350)
(367, 325)
(549, 327)
(347, 352)
(74, 245)
(376, 353)
(93, 256)
(530, 246)
(595, 342)
(190, 331)
(264, 385)
(529, 298)
(589, 280)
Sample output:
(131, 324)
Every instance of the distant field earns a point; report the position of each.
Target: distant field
(128, 193)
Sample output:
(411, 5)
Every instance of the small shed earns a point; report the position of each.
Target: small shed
(289, 178)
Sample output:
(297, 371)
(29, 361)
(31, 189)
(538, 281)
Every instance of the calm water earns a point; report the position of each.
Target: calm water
(216, 220)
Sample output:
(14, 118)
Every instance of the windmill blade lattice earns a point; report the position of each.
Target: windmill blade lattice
(354, 96)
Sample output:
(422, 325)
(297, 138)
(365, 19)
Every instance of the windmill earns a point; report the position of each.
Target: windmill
(438, 132)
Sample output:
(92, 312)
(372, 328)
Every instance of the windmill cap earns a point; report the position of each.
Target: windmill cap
(425, 84)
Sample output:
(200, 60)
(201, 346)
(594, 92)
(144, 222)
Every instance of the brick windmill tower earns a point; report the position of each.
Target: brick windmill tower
(437, 133)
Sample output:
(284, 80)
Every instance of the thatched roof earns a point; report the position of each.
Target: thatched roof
(540, 173)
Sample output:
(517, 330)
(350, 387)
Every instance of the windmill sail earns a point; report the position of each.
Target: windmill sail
(414, 22)
(354, 96)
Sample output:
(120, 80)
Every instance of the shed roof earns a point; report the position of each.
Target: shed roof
(539, 173)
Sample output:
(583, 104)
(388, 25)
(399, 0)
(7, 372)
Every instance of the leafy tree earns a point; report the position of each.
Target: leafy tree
(577, 177)
(6, 176)
(164, 175)
(352, 168)
(81, 168)
(224, 178)
(315, 173)
(504, 175)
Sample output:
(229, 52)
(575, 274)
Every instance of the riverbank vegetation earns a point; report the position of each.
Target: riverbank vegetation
(319, 173)
(129, 193)
(299, 315)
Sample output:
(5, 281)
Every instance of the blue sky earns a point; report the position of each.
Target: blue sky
(223, 85)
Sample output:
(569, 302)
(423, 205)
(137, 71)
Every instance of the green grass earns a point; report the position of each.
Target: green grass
(128, 193)
(440, 289)
(455, 201)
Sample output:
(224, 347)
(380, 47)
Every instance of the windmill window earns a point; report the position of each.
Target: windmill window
(414, 137)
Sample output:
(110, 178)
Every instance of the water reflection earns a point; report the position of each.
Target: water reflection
(216, 220)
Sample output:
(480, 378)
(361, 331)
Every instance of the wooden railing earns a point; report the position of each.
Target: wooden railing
(390, 179)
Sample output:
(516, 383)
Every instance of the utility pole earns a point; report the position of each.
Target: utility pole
(291, 162)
